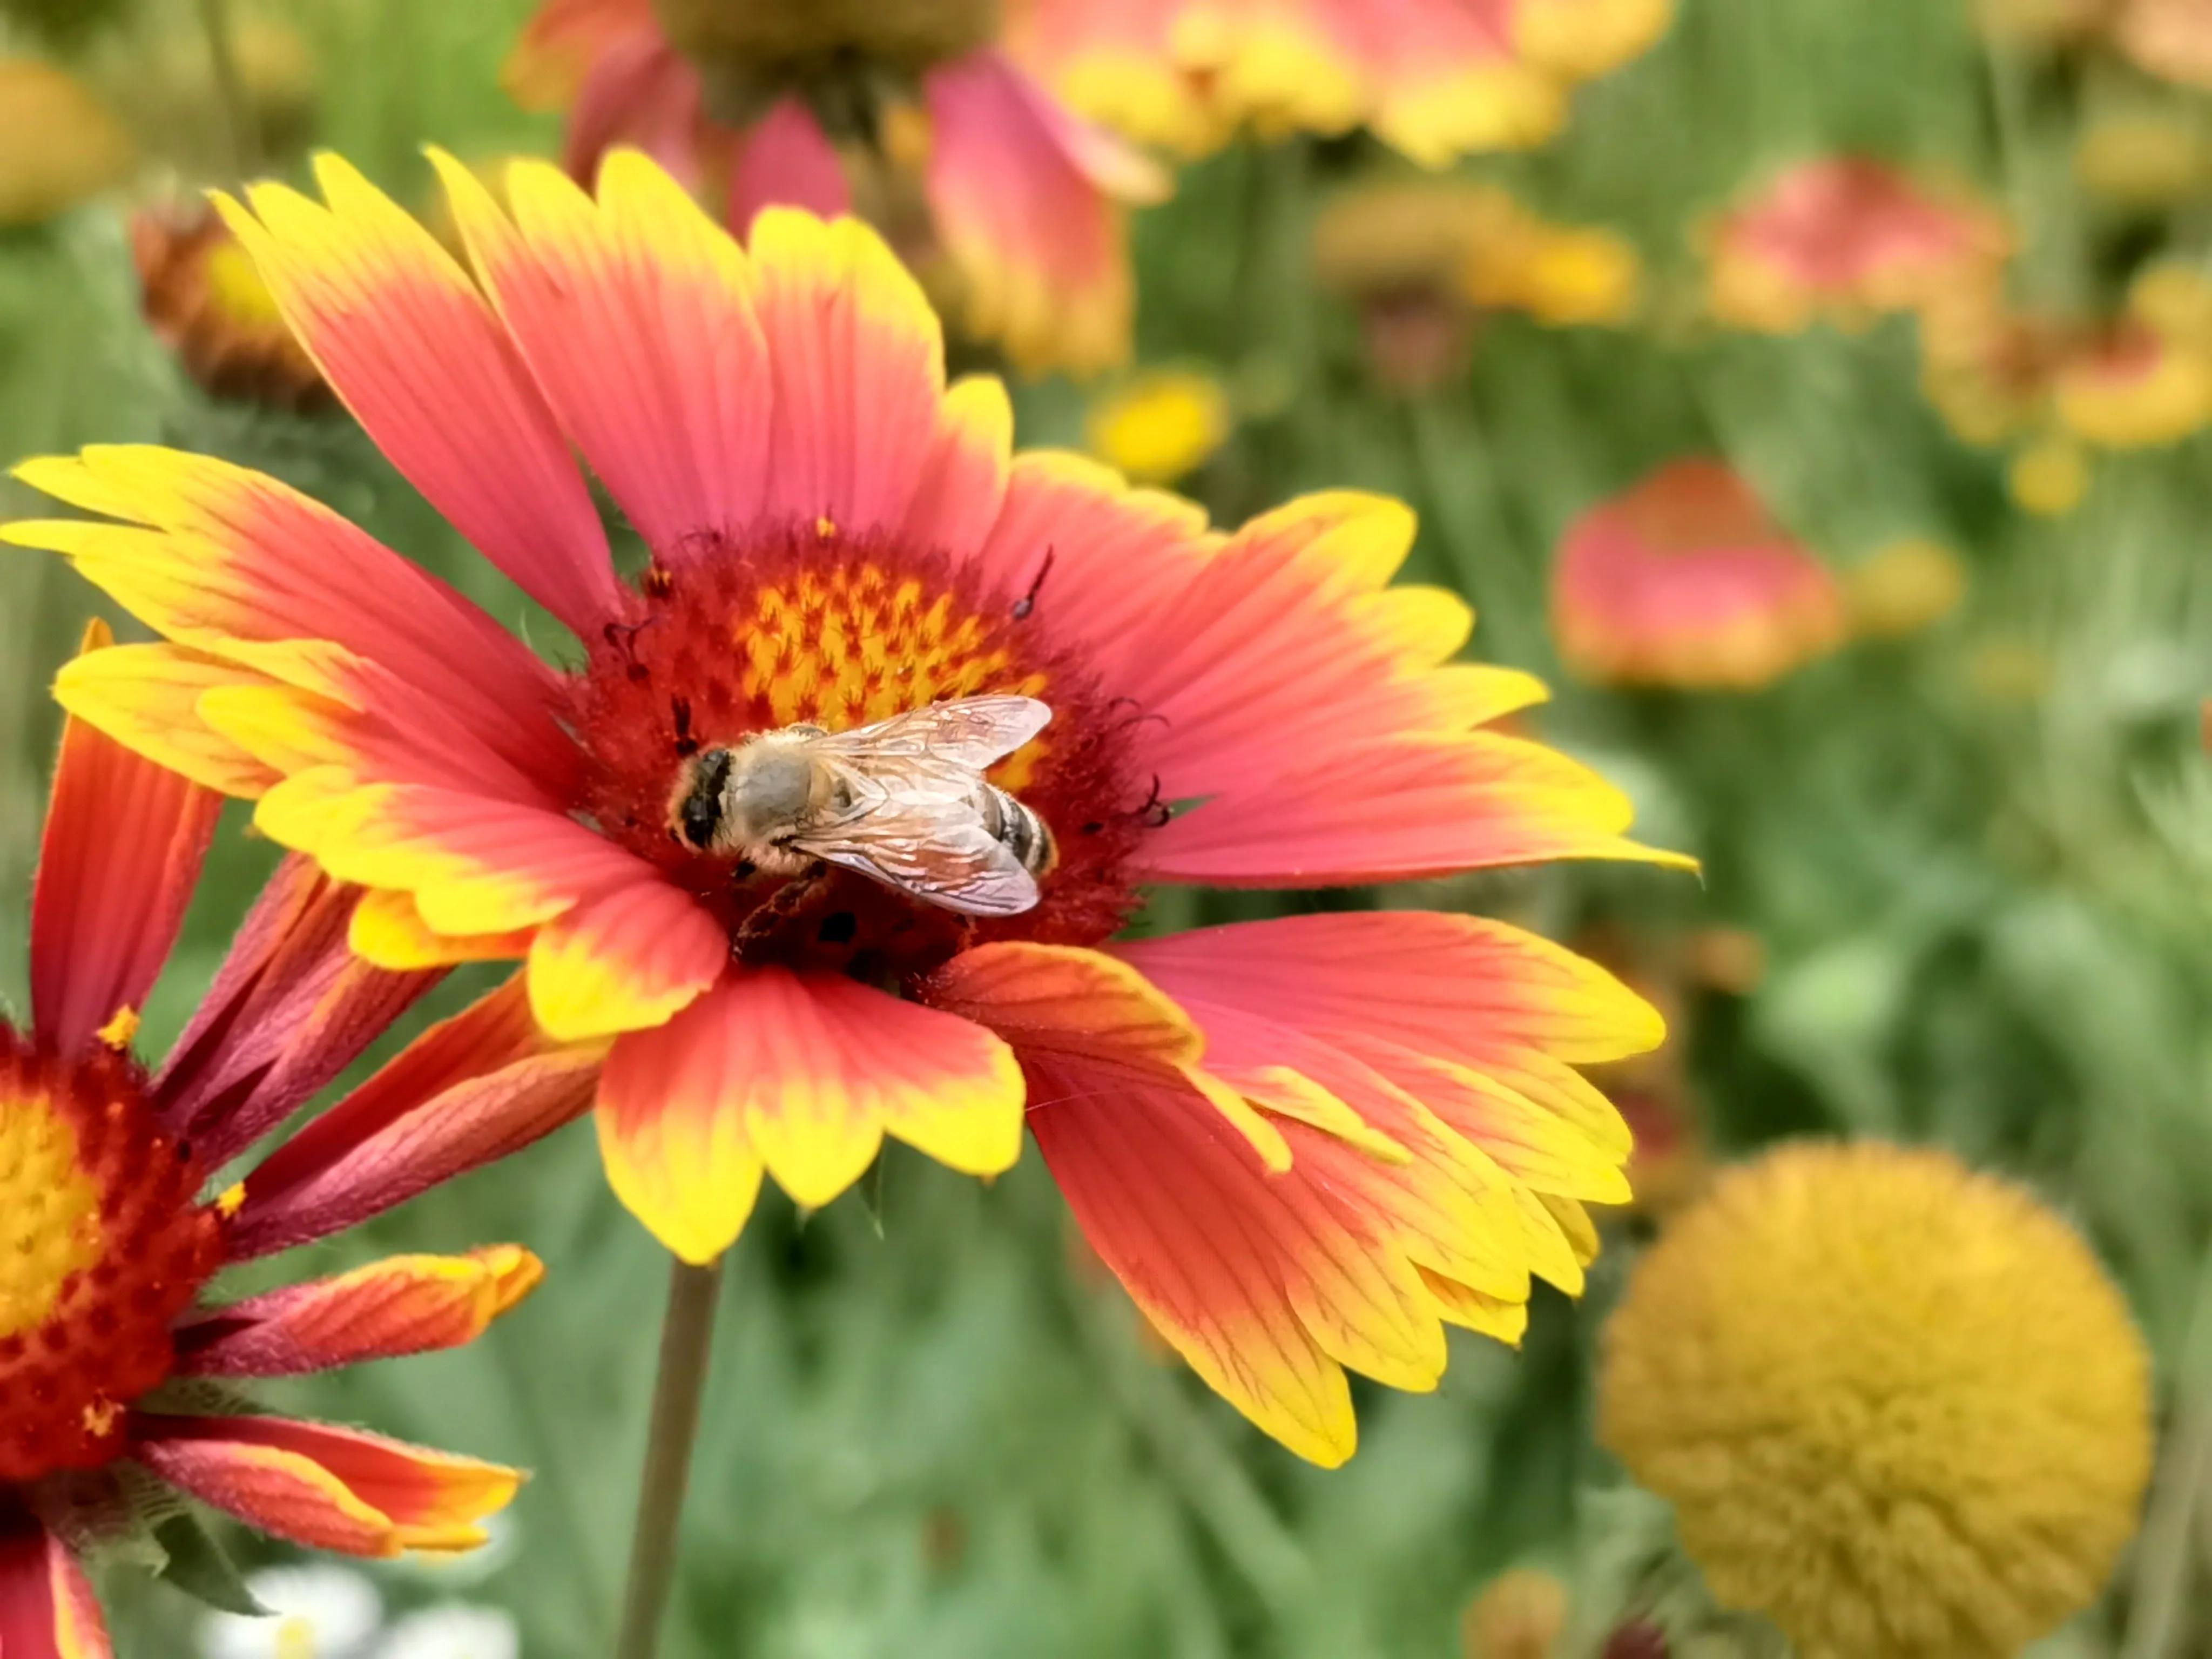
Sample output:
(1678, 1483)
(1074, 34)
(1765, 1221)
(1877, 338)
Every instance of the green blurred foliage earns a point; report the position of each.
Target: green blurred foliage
(1985, 915)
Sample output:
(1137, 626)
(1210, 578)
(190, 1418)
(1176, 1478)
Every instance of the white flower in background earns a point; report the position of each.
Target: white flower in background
(316, 1613)
(455, 1631)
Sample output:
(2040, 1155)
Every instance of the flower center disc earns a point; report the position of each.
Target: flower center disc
(101, 1246)
(799, 623)
(804, 37)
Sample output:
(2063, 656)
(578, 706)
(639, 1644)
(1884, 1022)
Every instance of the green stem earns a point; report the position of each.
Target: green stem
(687, 1336)
(2165, 1556)
(230, 87)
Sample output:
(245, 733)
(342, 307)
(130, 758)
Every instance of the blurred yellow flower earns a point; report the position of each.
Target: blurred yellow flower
(2175, 299)
(2132, 389)
(1160, 425)
(1582, 39)
(1908, 585)
(1562, 276)
(58, 144)
(1521, 1614)
(2038, 22)
(2005, 670)
(2142, 158)
(1897, 1405)
(2049, 477)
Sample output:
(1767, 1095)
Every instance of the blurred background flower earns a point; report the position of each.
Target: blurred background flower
(318, 1612)
(908, 114)
(1686, 581)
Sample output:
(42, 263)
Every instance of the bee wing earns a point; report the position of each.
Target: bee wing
(920, 833)
(971, 732)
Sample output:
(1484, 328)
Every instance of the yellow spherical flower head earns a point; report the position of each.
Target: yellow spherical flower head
(1161, 425)
(1897, 1405)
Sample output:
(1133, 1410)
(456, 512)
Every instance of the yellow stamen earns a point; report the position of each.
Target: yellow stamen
(121, 1028)
(48, 1213)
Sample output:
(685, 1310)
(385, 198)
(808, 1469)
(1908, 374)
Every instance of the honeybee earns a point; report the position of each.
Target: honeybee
(902, 801)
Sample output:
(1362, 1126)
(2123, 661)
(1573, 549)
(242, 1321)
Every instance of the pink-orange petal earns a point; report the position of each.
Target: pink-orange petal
(290, 1008)
(801, 1075)
(963, 481)
(786, 160)
(469, 1091)
(1288, 646)
(635, 314)
(407, 341)
(1103, 560)
(122, 851)
(1425, 806)
(326, 1487)
(1454, 986)
(401, 1305)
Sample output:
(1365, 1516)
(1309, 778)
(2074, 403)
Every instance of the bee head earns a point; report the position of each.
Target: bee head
(698, 804)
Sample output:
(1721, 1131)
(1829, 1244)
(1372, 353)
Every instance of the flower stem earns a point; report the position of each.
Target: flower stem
(687, 1337)
(230, 87)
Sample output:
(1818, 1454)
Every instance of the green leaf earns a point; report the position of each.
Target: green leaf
(198, 1566)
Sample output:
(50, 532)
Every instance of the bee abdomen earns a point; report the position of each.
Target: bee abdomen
(1020, 831)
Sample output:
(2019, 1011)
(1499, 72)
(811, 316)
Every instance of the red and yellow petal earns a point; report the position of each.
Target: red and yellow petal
(121, 855)
(389, 931)
(1086, 1007)
(801, 1075)
(326, 1487)
(1266, 1292)
(409, 345)
(47, 1609)
(626, 960)
(146, 697)
(1425, 806)
(402, 1306)
(965, 480)
(635, 314)
(470, 1090)
(475, 864)
(858, 370)
(562, 42)
(1455, 1037)
(207, 553)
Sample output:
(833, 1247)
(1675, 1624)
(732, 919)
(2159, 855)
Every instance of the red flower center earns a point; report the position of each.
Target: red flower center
(101, 1246)
(798, 623)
